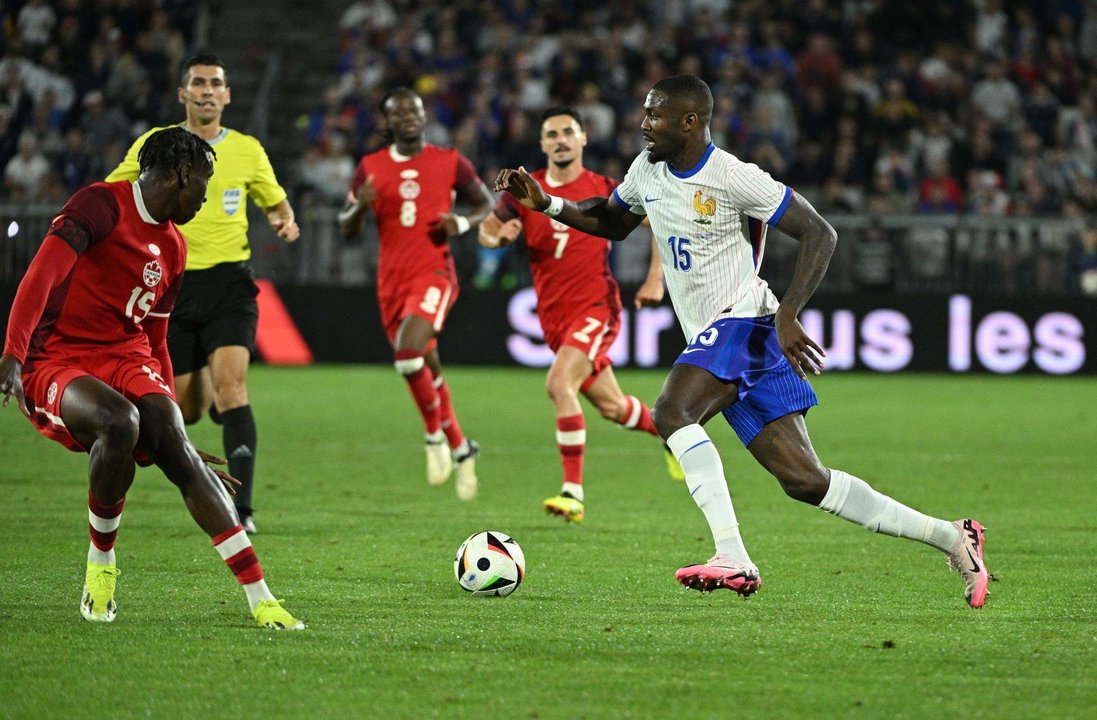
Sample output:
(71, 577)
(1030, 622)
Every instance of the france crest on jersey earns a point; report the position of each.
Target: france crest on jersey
(710, 223)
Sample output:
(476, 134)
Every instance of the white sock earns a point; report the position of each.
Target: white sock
(462, 449)
(708, 488)
(435, 438)
(573, 489)
(851, 498)
(96, 555)
(257, 592)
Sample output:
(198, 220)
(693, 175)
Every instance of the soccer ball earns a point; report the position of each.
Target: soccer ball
(490, 563)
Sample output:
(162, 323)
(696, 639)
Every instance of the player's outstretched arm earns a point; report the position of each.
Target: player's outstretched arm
(594, 216)
(817, 241)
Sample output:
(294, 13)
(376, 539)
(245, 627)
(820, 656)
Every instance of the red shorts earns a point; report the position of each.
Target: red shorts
(134, 376)
(430, 297)
(592, 331)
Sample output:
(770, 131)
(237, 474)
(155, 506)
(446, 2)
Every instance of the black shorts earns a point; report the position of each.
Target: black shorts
(216, 308)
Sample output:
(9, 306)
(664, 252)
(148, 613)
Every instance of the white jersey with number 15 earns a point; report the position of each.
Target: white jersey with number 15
(710, 223)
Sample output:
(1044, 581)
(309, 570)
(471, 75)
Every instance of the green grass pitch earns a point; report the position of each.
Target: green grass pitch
(847, 624)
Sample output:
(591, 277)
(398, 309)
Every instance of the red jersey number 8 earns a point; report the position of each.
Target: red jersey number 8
(431, 299)
(408, 213)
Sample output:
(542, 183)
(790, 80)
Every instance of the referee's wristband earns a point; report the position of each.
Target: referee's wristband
(463, 224)
(555, 206)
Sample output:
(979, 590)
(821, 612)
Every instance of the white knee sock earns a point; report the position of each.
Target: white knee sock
(705, 479)
(851, 498)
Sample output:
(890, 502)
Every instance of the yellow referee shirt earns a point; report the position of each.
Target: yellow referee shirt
(219, 232)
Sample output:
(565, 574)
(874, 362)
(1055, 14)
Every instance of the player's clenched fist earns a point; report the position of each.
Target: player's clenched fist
(525, 189)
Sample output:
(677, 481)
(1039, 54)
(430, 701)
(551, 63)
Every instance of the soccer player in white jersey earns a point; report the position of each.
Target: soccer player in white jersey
(747, 353)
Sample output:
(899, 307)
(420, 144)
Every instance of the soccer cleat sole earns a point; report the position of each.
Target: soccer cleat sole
(740, 583)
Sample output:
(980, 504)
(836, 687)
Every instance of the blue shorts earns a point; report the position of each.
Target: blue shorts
(745, 350)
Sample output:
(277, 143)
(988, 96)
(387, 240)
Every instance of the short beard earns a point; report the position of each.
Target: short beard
(563, 163)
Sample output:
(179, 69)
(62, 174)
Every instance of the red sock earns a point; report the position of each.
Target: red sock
(571, 438)
(409, 363)
(450, 426)
(235, 549)
(638, 417)
(103, 523)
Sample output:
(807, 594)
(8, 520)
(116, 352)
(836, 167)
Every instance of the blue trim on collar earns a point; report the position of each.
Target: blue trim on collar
(696, 168)
(780, 211)
(218, 138)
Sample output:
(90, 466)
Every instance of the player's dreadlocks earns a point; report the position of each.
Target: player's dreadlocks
(165, 151)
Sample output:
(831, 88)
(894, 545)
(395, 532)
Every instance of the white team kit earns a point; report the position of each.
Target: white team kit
(710, 223)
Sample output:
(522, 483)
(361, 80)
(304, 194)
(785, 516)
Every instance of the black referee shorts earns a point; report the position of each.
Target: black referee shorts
(216, 307)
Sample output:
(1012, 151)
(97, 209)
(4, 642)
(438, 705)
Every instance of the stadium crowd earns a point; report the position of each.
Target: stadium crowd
(882, 107)
(79, 80)
(959, 106)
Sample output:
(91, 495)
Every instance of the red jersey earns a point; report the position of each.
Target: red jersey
(126, 267)
(412, 193)
(570, 268)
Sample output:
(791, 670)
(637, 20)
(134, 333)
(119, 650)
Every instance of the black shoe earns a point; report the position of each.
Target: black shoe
(246, 519)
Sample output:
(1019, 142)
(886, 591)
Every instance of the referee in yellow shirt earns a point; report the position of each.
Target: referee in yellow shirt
(216, 314)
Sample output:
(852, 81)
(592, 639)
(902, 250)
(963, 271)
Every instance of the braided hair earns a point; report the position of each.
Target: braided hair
(167, 150)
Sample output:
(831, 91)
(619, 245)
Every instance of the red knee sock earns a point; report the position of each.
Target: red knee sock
(638, 417)
(103, 523)
(571, 438)
(235, 549)
(450, 426)
(409, 363)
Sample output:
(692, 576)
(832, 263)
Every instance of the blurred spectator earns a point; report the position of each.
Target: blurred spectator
(997, 98)
(599, 118)
(934, 143)
(26, 172)
(896, 114)
(819, 65)
(939, 192)
(1041, 110)
(34, 23)
(102, 125)
(991, 26)
(327, 169)
(987, 197)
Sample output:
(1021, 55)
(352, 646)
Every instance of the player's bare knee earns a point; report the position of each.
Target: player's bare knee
(806, 485)
(668, 418)
(558, 388)
(230, 396)
(119, 426)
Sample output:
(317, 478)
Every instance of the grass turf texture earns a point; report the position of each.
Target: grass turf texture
(847, 623)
